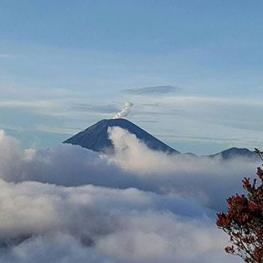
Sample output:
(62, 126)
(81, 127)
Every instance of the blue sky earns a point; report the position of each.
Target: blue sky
(67, 64)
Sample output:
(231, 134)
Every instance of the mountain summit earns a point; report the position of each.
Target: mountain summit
(235, 153)
(96, 137)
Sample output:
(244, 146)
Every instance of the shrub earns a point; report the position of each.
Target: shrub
(243, 221)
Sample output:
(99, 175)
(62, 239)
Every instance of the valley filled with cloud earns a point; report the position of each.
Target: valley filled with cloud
(69, 204)
(125, 126)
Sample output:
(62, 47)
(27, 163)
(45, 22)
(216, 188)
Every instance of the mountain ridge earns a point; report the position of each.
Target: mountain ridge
(96, 139)
(96, 136)
(234, 152)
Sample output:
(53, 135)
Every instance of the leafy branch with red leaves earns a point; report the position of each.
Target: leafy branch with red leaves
(243, 221)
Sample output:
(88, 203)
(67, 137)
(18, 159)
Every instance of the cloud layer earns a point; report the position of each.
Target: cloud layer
(68, 204)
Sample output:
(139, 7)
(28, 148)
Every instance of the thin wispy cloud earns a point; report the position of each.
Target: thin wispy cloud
(153, 90)
(176, 116)
(6, 55)
(36, 104)
(110, 108)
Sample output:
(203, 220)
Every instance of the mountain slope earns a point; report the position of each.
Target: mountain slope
(96, 136)
(235, 153)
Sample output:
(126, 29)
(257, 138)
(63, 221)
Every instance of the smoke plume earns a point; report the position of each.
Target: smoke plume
(124, 112)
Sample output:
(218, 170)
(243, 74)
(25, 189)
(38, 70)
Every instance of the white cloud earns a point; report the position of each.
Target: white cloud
(36, 104)
(121, 225)
(74, 219)
(199, 177)
(133, 165)
(57, 248)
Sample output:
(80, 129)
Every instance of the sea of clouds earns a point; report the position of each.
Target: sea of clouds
(68, 204)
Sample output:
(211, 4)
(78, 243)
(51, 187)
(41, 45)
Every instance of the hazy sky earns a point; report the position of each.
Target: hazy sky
(193, 69)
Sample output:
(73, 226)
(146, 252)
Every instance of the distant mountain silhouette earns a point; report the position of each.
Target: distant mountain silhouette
(96, 137)
(235, 153)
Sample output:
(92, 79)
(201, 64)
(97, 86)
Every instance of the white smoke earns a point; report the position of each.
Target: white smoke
(125, 111)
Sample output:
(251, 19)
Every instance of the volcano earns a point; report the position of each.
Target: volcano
(96, 137)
